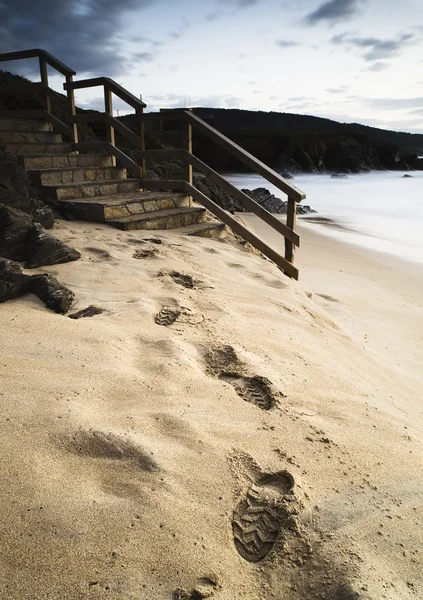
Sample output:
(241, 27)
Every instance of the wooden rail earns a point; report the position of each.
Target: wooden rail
(245, 233)
(110, 87)
(291, 237)
(44, 59)
(189, 121)
(40, 54)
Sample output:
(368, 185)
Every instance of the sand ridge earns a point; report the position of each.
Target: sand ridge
(215, 432)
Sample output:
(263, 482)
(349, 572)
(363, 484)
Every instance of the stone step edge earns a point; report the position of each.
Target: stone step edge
(77, 184)
(111, 202)
(157, 214)
(59, 169)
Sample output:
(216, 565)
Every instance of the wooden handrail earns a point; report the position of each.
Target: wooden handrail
(245, 233)
(38, 53)
(250, 204)
(248, 159)
(108, 84)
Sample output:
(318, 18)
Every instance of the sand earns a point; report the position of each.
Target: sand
(219, 431)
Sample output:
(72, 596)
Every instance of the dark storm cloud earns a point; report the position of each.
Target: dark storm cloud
(335, 10)
(375, 48)
(83, 34)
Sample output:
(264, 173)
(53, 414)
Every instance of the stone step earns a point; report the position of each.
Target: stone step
(208, 229)
(21, 148)
(63, 161)
(162, 219)
(75, 175)
(30, 137)
(90, 189)
(7, 124)
(105, 208)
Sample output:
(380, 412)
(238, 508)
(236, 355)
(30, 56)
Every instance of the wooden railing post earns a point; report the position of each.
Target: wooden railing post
(140, 111)
(71, 98)
(187, 145)
(291, 222)
(108, 104)
(44, 80)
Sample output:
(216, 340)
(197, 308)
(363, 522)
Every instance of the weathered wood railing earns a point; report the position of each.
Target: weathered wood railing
(45, 59)
(110, 87)
(189, 121)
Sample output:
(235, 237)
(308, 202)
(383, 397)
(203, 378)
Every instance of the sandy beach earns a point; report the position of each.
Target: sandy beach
(219, 431)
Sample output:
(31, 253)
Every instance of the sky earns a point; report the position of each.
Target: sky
(349, 60)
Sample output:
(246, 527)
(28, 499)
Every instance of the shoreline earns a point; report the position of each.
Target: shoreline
(371, 294)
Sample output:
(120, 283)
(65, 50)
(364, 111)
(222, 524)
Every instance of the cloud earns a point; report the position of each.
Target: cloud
(83, 34)
(181, 31)
(333, 11)
(375, 48)
(378, 66)
(144, 56)
(286, 43)
(393, 103)
(141, 39)
(223, 5)
(339, 90)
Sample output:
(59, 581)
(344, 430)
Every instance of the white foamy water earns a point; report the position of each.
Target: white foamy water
(379, 210)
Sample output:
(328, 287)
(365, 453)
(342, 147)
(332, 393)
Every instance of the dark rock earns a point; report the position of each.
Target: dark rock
(216, 194)
(55, 296)
(16, 191)
(407, 176)
(13, 283)
(269, 201)
(90, 311)
(273, 204)
(14, 229)
(44, 249)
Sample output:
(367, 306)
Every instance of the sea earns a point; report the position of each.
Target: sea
(380, 210)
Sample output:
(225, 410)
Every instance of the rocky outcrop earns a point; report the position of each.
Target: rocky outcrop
(16, 191)
(273, 204)
(14, 283)
(261, 195)
(24, 241)
(43, 248)
(55, 296)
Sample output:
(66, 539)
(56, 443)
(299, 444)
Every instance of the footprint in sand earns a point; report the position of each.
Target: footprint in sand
(145, 253)
(263, 515)
(166, 316)
(251, 389)
(181, 279)
(224, 364)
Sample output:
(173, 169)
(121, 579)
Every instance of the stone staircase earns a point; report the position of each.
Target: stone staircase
(89, 187)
